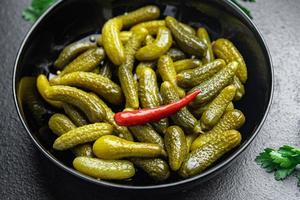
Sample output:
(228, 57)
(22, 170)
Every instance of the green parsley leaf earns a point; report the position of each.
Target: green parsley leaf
(281, 174)
(36, 9)
(244, 9)
(282, 161)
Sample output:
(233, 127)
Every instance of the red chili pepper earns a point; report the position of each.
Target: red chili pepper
(142, 116)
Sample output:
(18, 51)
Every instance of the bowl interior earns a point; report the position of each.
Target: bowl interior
(71, 20)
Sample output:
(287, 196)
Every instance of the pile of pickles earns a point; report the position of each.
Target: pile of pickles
(140, 61)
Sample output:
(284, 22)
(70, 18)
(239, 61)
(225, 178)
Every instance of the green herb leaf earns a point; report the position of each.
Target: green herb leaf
(36, 9)
(282, 161)
(264, 159)
(281, 174)
(244, 8)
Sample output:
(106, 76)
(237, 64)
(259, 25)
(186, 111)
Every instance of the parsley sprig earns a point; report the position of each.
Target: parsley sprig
(282, 162)
(38, 7)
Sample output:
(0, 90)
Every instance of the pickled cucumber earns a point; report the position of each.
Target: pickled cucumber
(85, 62)
(113, 147)
(231, 120)
(183, 117)
(192, 77)
(78, 98)
(202, 157)
(81, 135)
(226, 50)
(211, 87)
(176, 146)
(157, 48)
(101, 85)
(104, 169)
(217, 107)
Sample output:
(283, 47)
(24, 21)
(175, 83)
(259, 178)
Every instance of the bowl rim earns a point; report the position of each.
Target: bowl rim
(210, 172)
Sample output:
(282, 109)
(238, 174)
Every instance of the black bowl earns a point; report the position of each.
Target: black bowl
(69, 20)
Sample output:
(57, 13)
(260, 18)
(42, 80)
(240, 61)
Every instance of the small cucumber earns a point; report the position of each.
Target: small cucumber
(176, 146)
(113, 147)
(208, 54)
(101, 85)
(42, 85)
(111, 41)
(217, 107)
(104, 169)
(145, 133)
(201, 158)
(76, 116)
(157, 48)
(127, 80)
(192, 77)
(187, 64)
(231, 120)
(78, 98)
(211, 87)
(167, 72)
(142, 14)
(188, 42)
(156, 168)
(240, 89)
(61, 124)
(81, 135)
(85, 62)
(151, 26)
(226, 50)
(183, 117)
(71, 51)
(176, 54)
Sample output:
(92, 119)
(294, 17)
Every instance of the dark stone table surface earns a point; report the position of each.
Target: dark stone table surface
(26, 174)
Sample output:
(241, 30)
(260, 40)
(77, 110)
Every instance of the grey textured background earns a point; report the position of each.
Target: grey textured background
(26, 174)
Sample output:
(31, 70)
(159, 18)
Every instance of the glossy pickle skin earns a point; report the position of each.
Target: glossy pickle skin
(176, 146)
(42, 84)
(240, 89)
(125, 74)
(78, 98)
(186, 64)
(81, 135)
(189, 43)
(124, 37)
(75, 115)
(193, 77)
(149, 95)
(121, 131)
(113, 147)
(156, 168)
(176, 54)
(183, 117)
(211, 87)
(101, 85)
(217, 107)
(85, 62)
(167, 72)
(146, 13)
(104, 169)
(106, 70)
(157, 48)
(226, 50)
(208, 54)
(151, 26)
(111, 41)
(201, 158)
(231, 120)
(71, 51)
(145, 133)
(61, 124)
